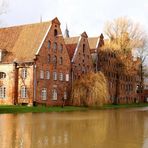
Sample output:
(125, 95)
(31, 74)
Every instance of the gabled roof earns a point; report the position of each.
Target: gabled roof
(22, 42)
(71, 49)
(71, 44)
(93, 41)
(72, 40)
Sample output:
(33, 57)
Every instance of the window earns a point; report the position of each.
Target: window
(49, 44)
(61, 61)
(55, 47)
(61, 77)
(54, 94)
(83, 48)
(48, 58)
(2, 75)
(47, 75)
(41, 74)
(61, 48)
(54, 75)
(23, 92)
(55, 61)
(55, 32)
(2, 92)
(44, 94)
(65, 95)
(24, 73)
(67, 77)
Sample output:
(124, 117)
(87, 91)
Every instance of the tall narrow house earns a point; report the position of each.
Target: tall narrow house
(34, 64)
(79, 53)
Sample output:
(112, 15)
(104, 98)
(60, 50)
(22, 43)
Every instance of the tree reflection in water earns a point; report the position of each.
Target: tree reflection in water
(105, 129)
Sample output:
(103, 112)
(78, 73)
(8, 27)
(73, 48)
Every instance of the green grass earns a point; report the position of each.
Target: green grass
(112, 106)
(41, 109)
(37, 109)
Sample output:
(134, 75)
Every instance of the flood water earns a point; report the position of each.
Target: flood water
(121, 128)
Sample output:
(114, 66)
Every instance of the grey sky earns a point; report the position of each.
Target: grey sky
(80, 15)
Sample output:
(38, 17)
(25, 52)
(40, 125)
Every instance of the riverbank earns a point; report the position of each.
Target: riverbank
(42, 109)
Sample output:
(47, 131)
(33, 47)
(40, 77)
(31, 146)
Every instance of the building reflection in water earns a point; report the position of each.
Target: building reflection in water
(104, 129)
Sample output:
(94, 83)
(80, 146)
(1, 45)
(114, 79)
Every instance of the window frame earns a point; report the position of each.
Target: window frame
(54, 94)
(41, 74)
(55, 75)
(24, 73)
(44, 94)
(23, 92)
(2, 92)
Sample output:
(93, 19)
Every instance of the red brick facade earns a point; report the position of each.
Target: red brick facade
(54, 59)
(79, 52)
(38, 65)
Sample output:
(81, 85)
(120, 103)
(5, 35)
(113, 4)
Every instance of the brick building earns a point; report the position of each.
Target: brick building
(122, 86)
(34, 64)
(80, 56)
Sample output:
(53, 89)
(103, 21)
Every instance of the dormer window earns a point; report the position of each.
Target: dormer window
(2, 75)
(2, 54)
(55, 32)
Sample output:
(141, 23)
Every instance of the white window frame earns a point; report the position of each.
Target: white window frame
(54, 94)
(24, 73)
(47, 74)
(61, 76)
(23, 92)
(2, 92)
(41, 74)
(55, 75)
(65, 95)
(67, 77)
(44, 94)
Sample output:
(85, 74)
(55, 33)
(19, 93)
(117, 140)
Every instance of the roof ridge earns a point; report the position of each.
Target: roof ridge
(23, 25)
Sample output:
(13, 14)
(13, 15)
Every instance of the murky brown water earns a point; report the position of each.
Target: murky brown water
(124, 128)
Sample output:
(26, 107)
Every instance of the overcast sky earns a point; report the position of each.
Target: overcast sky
(79, 15)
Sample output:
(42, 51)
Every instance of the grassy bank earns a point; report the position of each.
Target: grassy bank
(41, 109)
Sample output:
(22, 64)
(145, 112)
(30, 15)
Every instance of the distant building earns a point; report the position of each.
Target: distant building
(122, 86)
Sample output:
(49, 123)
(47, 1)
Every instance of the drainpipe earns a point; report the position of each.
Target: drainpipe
(34, 83)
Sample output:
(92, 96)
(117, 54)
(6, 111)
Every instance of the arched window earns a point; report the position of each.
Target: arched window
(55, 47)
(55, 32)
(83, 48)
(2, 92)
(44, 94)
(61, 48)
(49, 44)
(54, 94)
(55, 61)
(61, 61)
(23, 92)
(2, 75)
(54, 75)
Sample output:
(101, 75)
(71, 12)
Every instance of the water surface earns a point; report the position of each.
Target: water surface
(121, 128)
